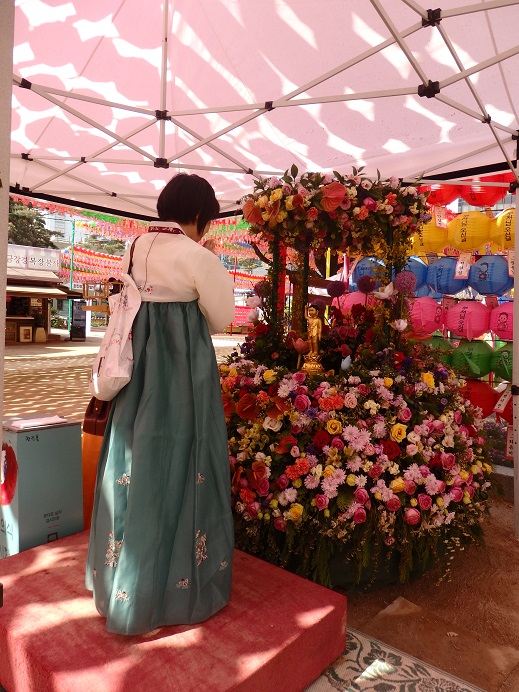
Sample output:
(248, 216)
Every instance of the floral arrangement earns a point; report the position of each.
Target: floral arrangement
(383, 457)
(316, 211)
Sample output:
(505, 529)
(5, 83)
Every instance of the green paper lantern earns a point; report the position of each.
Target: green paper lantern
(473, 358)
(501, 362)
(442, 348)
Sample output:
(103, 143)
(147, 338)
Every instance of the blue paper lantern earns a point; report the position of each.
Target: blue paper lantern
(369, 266)
(426, 292)
(441, 277)
(489, 276)
(419, 269)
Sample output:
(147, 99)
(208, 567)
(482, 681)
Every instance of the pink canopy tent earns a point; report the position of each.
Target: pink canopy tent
(110, 98)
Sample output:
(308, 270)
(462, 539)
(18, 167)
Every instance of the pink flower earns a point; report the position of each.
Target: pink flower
(321, 502)
(412, 516)
(457, 417)
(360, 516)
(361, 496)
(448, 460)
(456, 494)
(252, 509)
(370, 203)
(404, 414)
(375, 471)
(363, 389)
(425, 501)
(263, 487)
(282, 482)
(295, 452)
(337, 443)
(302, 402)
(410, 487)
(302, 389)
(350, 400)
(280, 524)
(299, 377)
(393, 504)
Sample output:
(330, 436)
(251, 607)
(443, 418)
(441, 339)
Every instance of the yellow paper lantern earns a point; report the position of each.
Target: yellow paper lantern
(469, 231)
(502, 229)
(430, 238)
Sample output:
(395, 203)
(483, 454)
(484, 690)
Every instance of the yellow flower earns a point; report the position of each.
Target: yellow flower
(269, 376)
(474, 468)
(262, 201)
(326, 512)
(266, 516)
(398, 432)
(397, 485)
(276, 194)
(334, 427)
(413, 502)
(487, 468)
(351, 479)
(466, 498)
(439, 501)
(378, 496)
(464, 475)
(273, 504)
(388, 382)
(281, 216)
(296, 511)
(288, 203)
(329, 471)
(428, 378)
(297, 483)
(233, 372)
(224, 369)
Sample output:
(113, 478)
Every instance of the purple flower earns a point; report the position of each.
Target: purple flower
(405, 282)
(335, 288)
(366, 284)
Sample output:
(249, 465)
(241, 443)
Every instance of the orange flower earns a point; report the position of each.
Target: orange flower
(333, 194)
(247, 496)
(229, 407)
(363, 213)
(285, 444)
(278, 408)
(252, 213)
(259, 469)
(271, 212)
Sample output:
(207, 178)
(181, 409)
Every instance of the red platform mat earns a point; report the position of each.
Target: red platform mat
(278, 632)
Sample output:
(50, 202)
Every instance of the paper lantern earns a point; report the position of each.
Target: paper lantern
(489, 276)
(473, 358)
(469, 231)
(367, 266)
(425, 291)
(429, 238)
(501, 362)
(441, 277)
(468, 319)
(502, 321)
(348, 300)
(440, 195)
(419, 269)
(482, 196)
(426, 316)
(480, 394)
(442, 349)
(502, 229)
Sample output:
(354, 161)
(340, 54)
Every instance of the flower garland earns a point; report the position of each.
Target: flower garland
(345, 213)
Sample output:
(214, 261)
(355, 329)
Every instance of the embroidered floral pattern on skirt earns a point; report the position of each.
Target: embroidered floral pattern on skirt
(114, 548)
(124, 479)
(122, 596)
(183, 584)
(201, 547)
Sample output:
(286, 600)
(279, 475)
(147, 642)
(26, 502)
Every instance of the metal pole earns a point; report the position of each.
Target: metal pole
(515, 384)
(6, 78)
(70, 279)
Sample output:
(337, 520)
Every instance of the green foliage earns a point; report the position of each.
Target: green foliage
(27, 227)
(108, 246)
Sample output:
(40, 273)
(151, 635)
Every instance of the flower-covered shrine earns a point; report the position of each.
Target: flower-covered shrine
(356, 452)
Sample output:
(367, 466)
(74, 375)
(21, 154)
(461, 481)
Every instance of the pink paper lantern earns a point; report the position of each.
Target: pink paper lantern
(469, 319)
(426, 315)
(502, 321)
(348, 300)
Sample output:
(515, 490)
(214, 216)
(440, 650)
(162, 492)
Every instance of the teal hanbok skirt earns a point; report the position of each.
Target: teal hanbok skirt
(161, 540)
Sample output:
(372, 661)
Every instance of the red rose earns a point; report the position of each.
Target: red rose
(273, 389)
(393, 504)
(247, 407)
(391, 449)
(261, 329)
(375, 471)
(321, 438)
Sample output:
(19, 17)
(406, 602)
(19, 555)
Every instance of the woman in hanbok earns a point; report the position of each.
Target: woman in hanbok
(161, 541)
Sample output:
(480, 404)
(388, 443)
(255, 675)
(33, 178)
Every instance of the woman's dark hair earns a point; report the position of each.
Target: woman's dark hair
(184, 198)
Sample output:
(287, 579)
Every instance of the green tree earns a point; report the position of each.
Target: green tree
(27, 227)
(110, 246)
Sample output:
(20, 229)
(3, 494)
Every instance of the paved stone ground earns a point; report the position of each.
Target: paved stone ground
(53, 377)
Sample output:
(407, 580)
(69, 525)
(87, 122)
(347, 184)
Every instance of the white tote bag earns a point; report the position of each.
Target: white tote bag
(113, 366)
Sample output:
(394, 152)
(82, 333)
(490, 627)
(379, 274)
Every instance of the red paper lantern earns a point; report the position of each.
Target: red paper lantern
(348, 300)
(480, 394)
(502, 321)
(440, 195)
(480, 196)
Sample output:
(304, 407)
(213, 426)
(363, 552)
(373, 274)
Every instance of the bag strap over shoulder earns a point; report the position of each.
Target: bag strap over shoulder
(131, 256)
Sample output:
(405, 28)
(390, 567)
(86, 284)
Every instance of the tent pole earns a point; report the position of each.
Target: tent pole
(6, 81)
(163, 80)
